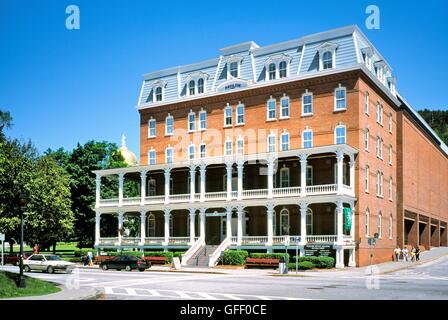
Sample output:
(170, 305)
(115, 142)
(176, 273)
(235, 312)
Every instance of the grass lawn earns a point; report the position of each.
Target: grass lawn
(34, 287)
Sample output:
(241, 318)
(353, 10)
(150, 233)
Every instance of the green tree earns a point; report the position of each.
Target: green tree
(438, 120)
(5, 120)
(48, 216)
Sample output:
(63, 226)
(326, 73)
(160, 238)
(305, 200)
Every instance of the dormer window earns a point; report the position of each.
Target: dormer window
(233, 69)
(276, 67)
(327, 55)
(158, 94)
(367, 54)
(191, 87)
(391, 81)
(272, 71)
(200, 86)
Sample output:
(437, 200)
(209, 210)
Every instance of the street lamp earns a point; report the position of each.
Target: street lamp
(24, 199)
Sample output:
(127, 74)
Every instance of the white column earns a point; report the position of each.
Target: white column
(166, 225)
(270, 177)
(270, 210)
(202, 171)
(167, 184)
(339, 212)
(339, 257)
(340, 162)
(97, 227)
(192, 182)
(351, 261)
(240, 225)
(229, 222)
(202, 223)
(352, 173)
(240, 166)
(120, 226)
(98, 190)
(229, 180)
(303, 211)
(303, 163)
(142, 226)
(120, 189)
(192, 225)
(142, 187)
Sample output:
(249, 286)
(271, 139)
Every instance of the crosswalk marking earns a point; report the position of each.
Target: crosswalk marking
(131, 291)
(182, 294)
(207, 296)
(154, 293)
(230, 296)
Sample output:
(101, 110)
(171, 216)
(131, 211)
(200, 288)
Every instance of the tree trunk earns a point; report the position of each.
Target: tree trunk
(54, 247)
(11, 247)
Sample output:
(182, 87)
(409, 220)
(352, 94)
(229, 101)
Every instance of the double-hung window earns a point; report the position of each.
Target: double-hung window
(307, 104)
(169, 122)
(366, 139)
(203, 120)
(233, 69)
(271, 142)
(285, 141)
(200, 86)
(390, 188)
(390, 122)
(284, 106)
(282, 69)
(307, 139)
(366, 102)
(169, 155)
(191, 86)
(152, 128)
(340, 102)
(340, 135)
(390, 154)
(240, 113)
(327, 60)
(228, 116)
(240, 146)
(191, 151)
(366, 178)
(152, 157)
(202, 150)
(272, 106)
(191, 121)
(228, 147)
(159, 95)
(272, 71)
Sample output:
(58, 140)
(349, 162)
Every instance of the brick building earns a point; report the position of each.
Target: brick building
(294, 144)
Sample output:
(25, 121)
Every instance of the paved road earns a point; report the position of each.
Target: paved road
(428, 281)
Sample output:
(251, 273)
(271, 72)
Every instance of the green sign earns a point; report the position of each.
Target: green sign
(348, 219)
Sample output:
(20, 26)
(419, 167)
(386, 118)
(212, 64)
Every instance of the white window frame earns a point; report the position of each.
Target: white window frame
(336, 136)
(390, 188)
(283, 144)
(286, 69)
(228, 147)
(366, 102)
(191, 88)
(391, 221)
(272, 73)
(284, 212)
(228, 107)
(390, 120)
(344, 89)
(202, 122)
(203, 86)
(203, 150)
(166, 155)
(271, 142)
(366, 139)
(284, 180)
(377, 118)
(288, 108)
(169, 117)
(191, 148)
(366, 178)
(152, 121)
(367, 224)
(156, 94)
(380, 225)
(303, 138)
(191, 123)
(307, 94)
(326, 61)
(240, 106)
(240, 146)
(381, 115)
(390, 154)
(268, 118)
(150, 153)
(237, 69)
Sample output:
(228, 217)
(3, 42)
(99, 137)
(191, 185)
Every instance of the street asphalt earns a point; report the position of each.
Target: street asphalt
(428, 280)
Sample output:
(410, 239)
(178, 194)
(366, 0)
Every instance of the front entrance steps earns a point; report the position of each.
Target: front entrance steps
(201, 256)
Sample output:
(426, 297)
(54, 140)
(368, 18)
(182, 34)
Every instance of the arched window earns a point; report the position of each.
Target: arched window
(380, 225)
(284, 222)
(327, 60)
(272, 71)
(367, 222)
(200, 86)
(191, 87)
(151, 229)
(309, 221)
(282, 69)
(159, 94)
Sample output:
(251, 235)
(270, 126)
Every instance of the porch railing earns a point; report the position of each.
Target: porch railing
(221, 195)
(154, 240)
(321, 238)
(106, 202)
(155, 199)
(108, 241)
(131, 201)
(286, 191)
(130, 241)
(321, 189)
(178, 240)
(180, 197)
(254, 240)
(255, 193)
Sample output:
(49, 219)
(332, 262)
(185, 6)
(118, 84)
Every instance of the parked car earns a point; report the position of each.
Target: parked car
(47, 262)
(14, 259)
(126, 262)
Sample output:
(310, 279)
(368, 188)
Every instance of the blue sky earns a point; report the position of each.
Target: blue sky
(68, 86)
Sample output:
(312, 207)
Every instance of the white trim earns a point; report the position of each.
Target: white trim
(303, 138)
(285, 97)
(355, 41)
(301, 59)
(306, 93)
(179, 88)
(141, 93)
(216, 74)
(267, 109)
(200, 122)
(335, 134)
(340, 88)
(228, 107)
(169, 116)
(152, 120)
(270, 135)
(237, 123)
(254, 71)
(285, 133)
(149, 156)
(166, 154)
(188, 121)
(225, 147)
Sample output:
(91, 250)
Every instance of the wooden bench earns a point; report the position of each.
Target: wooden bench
(99, 259)
(156, 260)
(262, 262)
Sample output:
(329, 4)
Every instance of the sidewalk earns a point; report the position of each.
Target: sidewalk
(81, 293)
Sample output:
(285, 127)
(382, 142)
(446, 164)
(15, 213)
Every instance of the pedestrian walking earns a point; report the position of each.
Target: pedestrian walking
(36, 249)
(417, 254)
(397, 252)
(90, 258)
(405, 253)
(413, 254)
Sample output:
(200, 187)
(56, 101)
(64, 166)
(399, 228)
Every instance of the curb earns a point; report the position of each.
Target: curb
(415, 264)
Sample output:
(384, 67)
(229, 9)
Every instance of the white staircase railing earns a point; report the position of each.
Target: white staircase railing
(213, 258)
(192, 250)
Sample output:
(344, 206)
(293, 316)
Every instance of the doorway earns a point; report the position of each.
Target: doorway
(212, 230)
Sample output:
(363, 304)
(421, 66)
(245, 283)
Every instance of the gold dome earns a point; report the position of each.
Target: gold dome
(128, 155)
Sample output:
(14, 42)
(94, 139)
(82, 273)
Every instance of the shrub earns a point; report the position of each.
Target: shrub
(83, 252)
(304, 265)
(319, 262)
(270, 256)
(235, 257)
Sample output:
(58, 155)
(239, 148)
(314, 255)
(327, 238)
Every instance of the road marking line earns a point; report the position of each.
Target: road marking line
(230, 296)
(108, 290)
(131, 291)
(206, 296)
(182, 294)
(154, 293)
